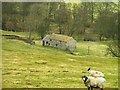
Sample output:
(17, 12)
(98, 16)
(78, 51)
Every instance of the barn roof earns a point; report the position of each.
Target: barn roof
(57, 37)
(46, 38)
(60, 37)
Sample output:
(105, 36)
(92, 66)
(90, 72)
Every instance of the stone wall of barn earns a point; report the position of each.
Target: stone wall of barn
(58, 44)
(71, 45)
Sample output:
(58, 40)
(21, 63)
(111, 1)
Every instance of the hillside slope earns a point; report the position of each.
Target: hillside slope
(31, 66)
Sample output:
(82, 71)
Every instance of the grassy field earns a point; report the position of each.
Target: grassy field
(35, 66)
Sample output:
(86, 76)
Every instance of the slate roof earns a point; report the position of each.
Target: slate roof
(58, 37)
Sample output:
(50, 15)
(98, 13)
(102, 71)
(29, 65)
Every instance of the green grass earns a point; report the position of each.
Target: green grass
(92, 48)
(35, 66)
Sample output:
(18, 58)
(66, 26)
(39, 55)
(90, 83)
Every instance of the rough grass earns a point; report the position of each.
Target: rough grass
(27, 66)
(92, 48)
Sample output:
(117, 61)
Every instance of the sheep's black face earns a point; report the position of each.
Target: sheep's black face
(84, 78)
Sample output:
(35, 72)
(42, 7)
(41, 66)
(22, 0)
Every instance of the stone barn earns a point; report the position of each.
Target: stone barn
(60, 41)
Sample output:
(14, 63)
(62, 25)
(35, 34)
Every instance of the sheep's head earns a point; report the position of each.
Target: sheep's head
(84, 78)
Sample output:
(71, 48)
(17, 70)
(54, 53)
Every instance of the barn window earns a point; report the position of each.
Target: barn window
(56, 45)
(46, 42)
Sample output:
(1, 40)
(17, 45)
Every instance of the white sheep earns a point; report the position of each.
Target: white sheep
(95, 73)
(92, 82)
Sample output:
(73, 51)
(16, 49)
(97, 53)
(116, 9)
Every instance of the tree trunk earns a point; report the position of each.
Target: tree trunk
(30, 35)
(92, 16)
(60, 31)
(100, 37)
